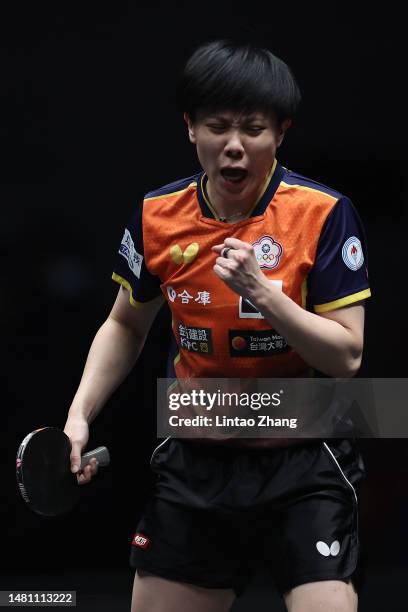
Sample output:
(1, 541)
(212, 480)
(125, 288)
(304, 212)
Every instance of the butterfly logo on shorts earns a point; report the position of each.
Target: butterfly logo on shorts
(326, 551)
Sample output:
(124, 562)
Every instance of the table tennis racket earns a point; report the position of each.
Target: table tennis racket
(43, 470)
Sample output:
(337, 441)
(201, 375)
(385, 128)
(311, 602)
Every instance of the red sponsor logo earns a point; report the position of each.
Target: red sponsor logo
(239, 343)
(140, 540)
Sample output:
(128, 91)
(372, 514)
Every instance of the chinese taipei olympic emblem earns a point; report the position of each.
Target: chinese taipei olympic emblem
(352, 253)
(267, 252)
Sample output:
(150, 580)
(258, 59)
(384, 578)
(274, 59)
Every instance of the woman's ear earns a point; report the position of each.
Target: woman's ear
(190, 127)
(285, 125)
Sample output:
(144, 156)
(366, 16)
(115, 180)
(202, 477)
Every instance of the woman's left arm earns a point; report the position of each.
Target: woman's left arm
(331, 342)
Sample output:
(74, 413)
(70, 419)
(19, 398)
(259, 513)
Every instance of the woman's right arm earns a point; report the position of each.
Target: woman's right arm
(113, 353)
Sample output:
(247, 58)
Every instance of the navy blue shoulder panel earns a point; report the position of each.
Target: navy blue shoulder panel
(293, 178)
(173, 187)
(130, 268)
(340, 267)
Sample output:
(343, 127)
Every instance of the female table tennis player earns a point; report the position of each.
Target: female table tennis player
(208, 244)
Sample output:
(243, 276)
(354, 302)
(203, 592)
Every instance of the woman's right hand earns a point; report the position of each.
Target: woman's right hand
(77, 430)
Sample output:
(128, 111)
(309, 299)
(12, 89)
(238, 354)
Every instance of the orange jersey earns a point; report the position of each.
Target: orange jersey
(307, 238)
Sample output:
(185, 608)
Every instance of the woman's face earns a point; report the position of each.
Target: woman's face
(236, 151)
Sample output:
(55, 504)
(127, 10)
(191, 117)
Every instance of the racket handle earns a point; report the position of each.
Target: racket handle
(101, 454)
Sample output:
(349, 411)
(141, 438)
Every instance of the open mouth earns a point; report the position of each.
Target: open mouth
(234, 175)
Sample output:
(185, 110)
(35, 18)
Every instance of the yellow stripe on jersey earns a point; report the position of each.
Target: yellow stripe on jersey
(177, 357)
(207, 201)
(304, 188)
(349, 299)
(172, 193)
(126, 285)
(303, 290)
(265, 187)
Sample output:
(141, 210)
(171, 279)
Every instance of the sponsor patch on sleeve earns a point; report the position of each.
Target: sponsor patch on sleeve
(352, 253)
(128, 251)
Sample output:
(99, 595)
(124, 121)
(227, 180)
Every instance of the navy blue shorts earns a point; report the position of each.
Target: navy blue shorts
(218, 512)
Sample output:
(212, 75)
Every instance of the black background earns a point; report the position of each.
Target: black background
(89, 124)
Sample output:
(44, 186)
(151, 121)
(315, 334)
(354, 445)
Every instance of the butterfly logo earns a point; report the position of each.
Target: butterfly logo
(180, 257)
(327, 551)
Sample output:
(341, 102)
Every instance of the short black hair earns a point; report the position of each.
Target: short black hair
(226, 75)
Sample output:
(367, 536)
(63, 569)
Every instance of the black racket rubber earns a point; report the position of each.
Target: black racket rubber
(43, 470)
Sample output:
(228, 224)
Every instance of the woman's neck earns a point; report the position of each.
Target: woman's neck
(229, 212)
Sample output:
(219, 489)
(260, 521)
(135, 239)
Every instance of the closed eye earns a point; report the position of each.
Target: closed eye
(217, 127)
(255, 129)
(250, 129)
